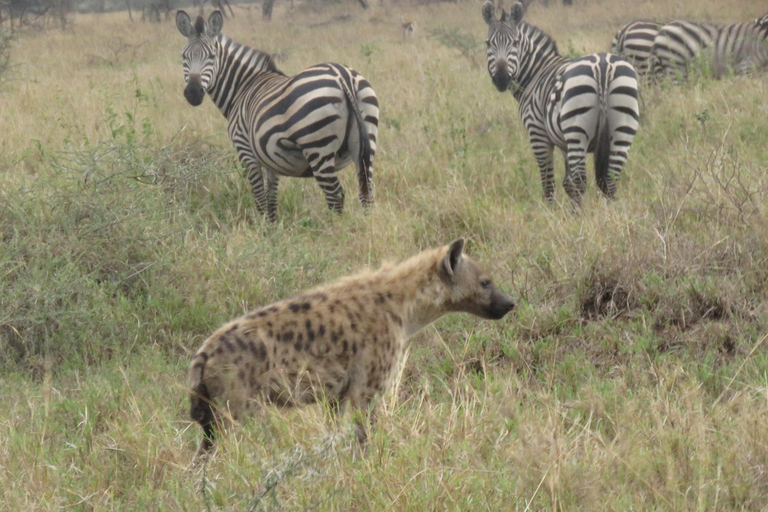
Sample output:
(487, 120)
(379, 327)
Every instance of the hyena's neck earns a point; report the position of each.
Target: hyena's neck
(421, 292)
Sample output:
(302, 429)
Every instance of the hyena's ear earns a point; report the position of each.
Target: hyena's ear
(215, 22)
(184, 24)
(489, 12)
(452, 258)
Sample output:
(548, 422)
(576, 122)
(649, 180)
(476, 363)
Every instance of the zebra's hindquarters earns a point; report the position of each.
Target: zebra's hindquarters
(599, 113)
(634, 42)
(363, 103)
(621, 112)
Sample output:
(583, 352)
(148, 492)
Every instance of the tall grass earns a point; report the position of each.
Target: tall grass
(631, 377)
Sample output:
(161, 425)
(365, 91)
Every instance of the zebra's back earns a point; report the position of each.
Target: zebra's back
(679, 43)
(742, 47)
(303, 117)
(634, 42)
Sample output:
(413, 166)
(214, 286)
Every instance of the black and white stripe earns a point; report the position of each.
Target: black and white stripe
(583, 105)
(741, 48)
(634, 42)
(308, 125)
(678, 44)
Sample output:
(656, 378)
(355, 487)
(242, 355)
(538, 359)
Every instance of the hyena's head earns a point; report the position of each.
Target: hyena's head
(200, 62)
(471, 289)
(503, 42)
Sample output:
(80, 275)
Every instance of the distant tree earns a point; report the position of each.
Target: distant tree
(266, 9)
(157, 10)
(36, 11)
(221, 5)
(5, 52)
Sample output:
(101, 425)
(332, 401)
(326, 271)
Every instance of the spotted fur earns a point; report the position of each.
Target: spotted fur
(339, 342)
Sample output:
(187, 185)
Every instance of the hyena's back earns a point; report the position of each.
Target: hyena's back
(297, 350)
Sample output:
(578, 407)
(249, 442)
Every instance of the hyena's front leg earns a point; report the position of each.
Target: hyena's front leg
(366, 415)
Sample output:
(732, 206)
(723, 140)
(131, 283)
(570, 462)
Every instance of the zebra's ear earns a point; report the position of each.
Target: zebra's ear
(517, 13)
(489, 12)
(215, 22)
(184, 24)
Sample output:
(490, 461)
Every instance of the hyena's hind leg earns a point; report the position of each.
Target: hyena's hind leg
(203, 410)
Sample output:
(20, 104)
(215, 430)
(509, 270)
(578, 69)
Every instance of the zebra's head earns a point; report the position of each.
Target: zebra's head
(502, 42)
(200, 53)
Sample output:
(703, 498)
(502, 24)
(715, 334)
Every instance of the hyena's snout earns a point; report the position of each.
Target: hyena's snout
(500, 305)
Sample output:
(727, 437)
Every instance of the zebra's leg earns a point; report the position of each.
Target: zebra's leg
(334, 194)
(365, 178)
(256, 179)
(543, 150)
(575, 179)
(271, 194)
(324, 171)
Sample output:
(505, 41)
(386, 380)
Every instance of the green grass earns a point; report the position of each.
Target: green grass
(632, 375)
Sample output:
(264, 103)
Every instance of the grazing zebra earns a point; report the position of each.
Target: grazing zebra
(742, 47)
(308, 125)
(678, 44)
(587, 104)
(634, 42)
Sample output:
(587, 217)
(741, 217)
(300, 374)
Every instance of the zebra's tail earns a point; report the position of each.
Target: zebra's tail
(201, 407)
(603, 149)
(364, 164)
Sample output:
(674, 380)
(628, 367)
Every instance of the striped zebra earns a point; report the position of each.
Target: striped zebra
(678, 44)
(308, 125)
(742, 48)
(587, 104)
(634, 42)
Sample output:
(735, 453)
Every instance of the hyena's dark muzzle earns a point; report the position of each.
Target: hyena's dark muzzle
(500, 305)
(194, 92)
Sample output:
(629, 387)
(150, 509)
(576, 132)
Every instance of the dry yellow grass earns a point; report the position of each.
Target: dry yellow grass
(632, 377)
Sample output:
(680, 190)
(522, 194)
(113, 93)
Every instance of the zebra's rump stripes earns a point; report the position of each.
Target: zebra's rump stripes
(634, 42)
(588, 104)
(311, 124)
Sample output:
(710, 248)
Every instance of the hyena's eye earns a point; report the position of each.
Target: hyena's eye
(485, 283)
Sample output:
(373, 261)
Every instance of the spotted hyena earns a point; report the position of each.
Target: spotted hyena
(339, 342)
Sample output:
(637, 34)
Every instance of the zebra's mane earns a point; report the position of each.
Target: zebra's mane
(267, 62)
(535, 34)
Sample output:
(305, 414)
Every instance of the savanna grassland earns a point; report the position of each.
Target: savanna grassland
(632, 376)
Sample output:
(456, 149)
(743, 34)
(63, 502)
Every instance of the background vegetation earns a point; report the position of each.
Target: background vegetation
(631, 377)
